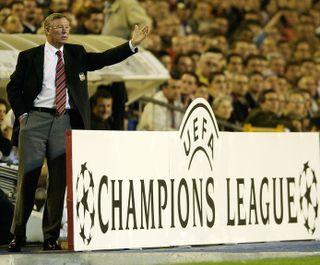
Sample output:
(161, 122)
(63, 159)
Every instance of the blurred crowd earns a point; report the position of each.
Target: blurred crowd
(255, 61)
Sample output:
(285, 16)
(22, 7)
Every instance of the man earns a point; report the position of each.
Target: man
(189, 84)
(101, 113)
(92, 22)
(122, 15)
(12, 24)
(29, 25)
(209, 63)
(157, 117)
(267, 114)
(48, 94)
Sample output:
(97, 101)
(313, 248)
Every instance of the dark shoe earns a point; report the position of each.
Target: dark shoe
(51, 244)
(16, 243)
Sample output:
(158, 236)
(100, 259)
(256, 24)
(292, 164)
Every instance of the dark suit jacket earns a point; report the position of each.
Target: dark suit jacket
(26, 82)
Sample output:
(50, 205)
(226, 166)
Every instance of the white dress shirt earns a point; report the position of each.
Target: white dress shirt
(46, 97)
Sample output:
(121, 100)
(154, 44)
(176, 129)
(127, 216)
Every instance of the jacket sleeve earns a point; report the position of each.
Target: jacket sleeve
(15, 87)
(95, 61)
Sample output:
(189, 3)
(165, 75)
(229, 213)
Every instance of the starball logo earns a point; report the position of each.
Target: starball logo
(85, 208)
(309, 197)
(199, 131)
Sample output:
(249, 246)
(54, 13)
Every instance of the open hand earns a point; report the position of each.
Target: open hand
(139, 34)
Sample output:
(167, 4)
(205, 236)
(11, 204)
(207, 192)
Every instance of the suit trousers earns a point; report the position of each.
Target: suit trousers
(42, 135)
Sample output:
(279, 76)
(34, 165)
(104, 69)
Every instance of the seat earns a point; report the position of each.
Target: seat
(249, 128)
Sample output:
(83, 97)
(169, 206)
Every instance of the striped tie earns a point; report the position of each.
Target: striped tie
(61, 85)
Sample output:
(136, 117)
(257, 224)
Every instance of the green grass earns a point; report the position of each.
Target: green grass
(314, 260)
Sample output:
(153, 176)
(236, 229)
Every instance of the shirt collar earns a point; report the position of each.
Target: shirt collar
(51, 48)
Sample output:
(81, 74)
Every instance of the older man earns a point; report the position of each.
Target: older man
(48, 94)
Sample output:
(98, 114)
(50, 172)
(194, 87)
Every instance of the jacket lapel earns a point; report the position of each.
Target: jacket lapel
(68, 63)
(38, 61)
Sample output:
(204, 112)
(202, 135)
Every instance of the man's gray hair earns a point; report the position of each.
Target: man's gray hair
(48, 21)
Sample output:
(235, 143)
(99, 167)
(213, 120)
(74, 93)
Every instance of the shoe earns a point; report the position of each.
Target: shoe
(51, 244)
(16, 243)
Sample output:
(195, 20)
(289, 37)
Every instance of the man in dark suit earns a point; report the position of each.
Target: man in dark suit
(48, 94)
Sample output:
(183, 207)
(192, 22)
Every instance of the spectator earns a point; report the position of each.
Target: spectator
(256, 63)
(12, 24)
(302, 51)
(201, 91)
(122, 15)
(166, 61)
(189, 83)
(222, 109)
(183, 64)
(4, 12)
(309, 83)
(240, 104)
(92, 22)
(29, 23)
(293, 71)
(266, 115)
(276, 63)
(234, 64)
(3, 112)
(202, 19)
(101, 111)
(209, 63)
(58, 6)
(218, 86)
(295, 110)
(84, 5)
(161, 118)
(255, 87)
(17, 8)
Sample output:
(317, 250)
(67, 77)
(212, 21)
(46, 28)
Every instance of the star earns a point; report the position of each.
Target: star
(91, 180)
(314, 177)
(301, 200)
(78, 205)
(89, 239)
(77, 186)
(84, 202)
(307, 195)
(305, 166)
(306, 224)
(83, 236)
(92, 217)
(83, 168)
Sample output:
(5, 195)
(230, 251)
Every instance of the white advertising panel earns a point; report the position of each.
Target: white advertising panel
(195, 186)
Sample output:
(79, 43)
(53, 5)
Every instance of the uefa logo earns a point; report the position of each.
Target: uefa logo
(199, 132)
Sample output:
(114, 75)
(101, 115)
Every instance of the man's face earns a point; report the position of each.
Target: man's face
(271, 102)
(59, 5)
(210, 63)
(95, 23)
(235, 64)
(296, 104)
(188, 83)
(172, 90)
(103, 108)
(3, 111)
(240, 85)
(29, 7)
(58, 32)
(13, 25)
(219, 85)
(256, 83)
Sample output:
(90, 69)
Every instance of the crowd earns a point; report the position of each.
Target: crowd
(255, 61)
